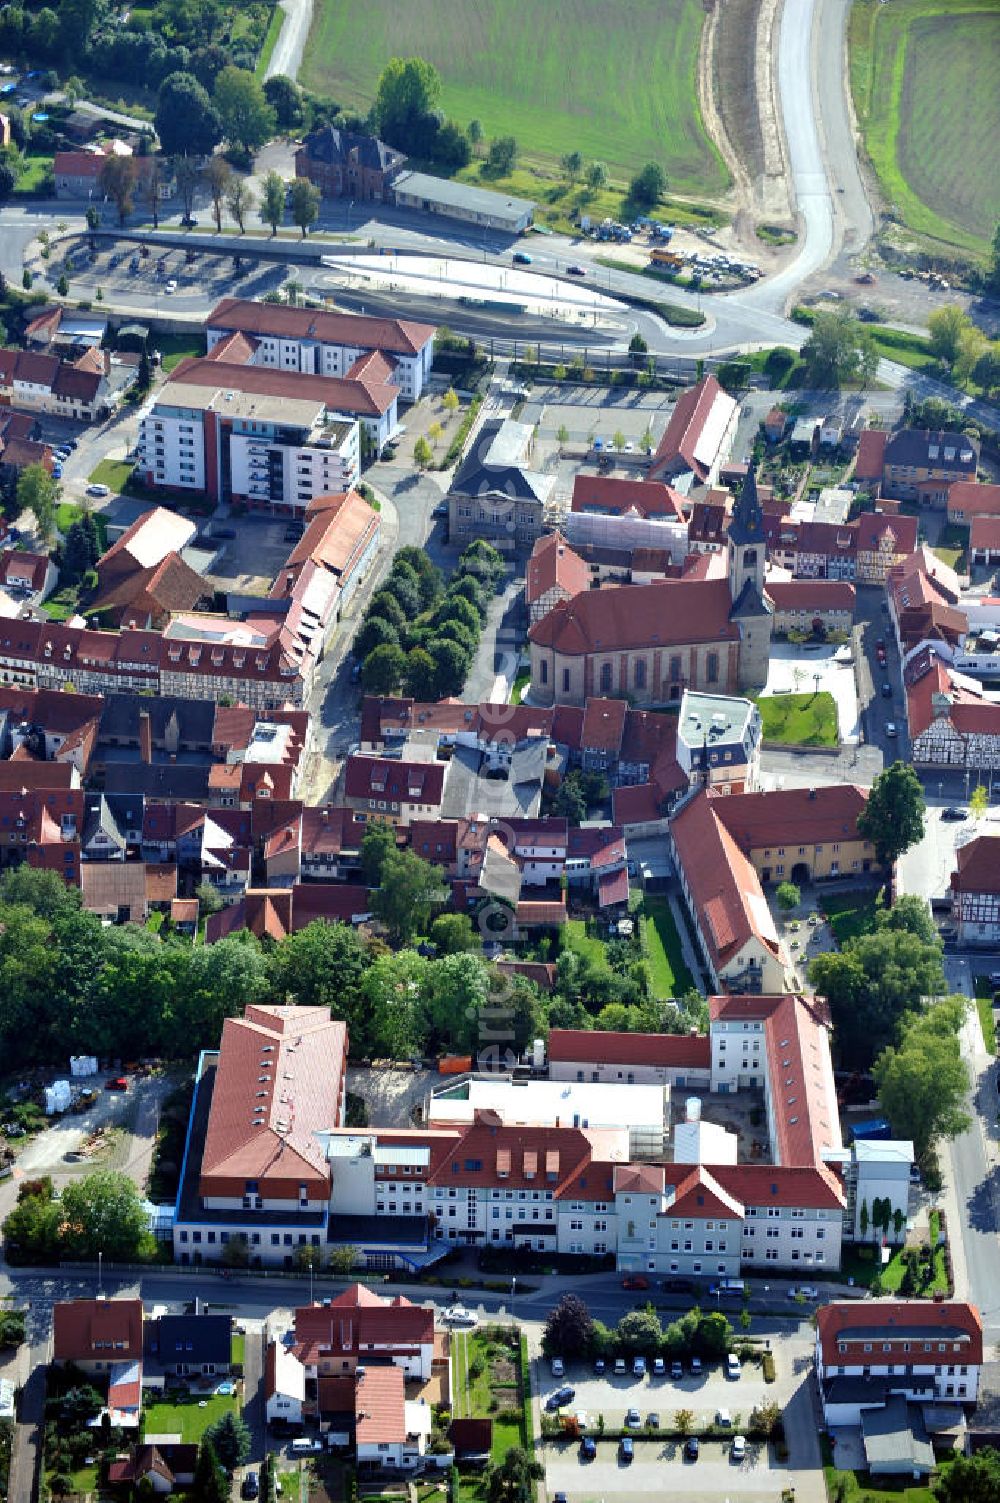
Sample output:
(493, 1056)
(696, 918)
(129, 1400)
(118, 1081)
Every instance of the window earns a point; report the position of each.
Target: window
(543, 671)
(605, 678)
(639, 674)
(712, 668)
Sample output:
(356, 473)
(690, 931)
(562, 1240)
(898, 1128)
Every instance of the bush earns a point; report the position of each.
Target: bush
(788, 896)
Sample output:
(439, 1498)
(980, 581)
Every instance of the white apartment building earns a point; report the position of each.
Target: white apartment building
(327, 343)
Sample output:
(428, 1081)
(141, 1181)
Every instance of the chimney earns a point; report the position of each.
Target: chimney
(145, 737)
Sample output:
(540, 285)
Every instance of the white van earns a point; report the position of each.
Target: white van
(305, 1446)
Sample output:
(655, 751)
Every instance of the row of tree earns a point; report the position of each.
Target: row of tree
(571, 1332)
(417, 633)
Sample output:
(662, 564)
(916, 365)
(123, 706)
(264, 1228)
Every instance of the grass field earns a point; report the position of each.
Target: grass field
(669, 975)
(613, 79)
(851, 913)
(177, 347)
(187, 1418)
(114, 473)
(800, 719)
(925, 76)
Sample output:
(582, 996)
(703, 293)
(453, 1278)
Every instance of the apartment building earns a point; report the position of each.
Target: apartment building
(327, 343)
(274, 450)
(922, 465)
(718, 741)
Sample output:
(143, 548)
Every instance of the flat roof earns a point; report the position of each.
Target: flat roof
(545, 1102)
(218, 397)
(717, 716)
(462, 195)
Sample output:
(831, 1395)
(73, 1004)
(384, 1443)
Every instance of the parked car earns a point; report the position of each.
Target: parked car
(620, 1368)
(635, 1281)
(626, 1448)
(98, 490)
(458, 1315)
(732, 1365)
(189, 222)
(575, 271)
(890, 729)
(696, 1367)
(639, 1367)
(441, 510)
(659, 1367)
(521, 258)
(652, 1420)
(676, 1371)
(251, 1486)
(118, 1083)
(953, 814)
(171, 287)
(738, 1449)
(558, 1368)
(588, 1448)
(56, 470)
(803, 1291)
(599, 1367)
(561, 1397)
(691, 1448)
(632, 1419)
(886, 691)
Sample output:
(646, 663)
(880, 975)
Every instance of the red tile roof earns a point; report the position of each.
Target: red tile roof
(792, 816)
(97, 1330)
(972, 499)
(700, 1194)
(872, 526)
(968, 712)
(394, 335)
(612, 888)
(850, 1322)
(813, 1186)
(336, 537)
(390, 781)
(812, 595)
(277, 1083)
(669, 1050)
(725, 889)
(678, 446)
(380, 1406)
(636, 804)
(632, 616)
(357, 1320)
(985, 531)
(978, 866)
(369, 398)
(618, 495)
(871, 454)
(554, 564)
(603, 725)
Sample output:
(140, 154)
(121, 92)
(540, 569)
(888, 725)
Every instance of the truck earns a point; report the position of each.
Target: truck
(660, 256)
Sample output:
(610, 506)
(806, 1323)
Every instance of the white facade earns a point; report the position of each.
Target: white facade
(316, 358)
(792, 1237)
(320, 468)
(689, 1076)
(172, 447)
(287, 1395)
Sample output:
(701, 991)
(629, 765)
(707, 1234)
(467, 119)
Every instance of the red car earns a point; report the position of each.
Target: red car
(635, 1281)
(119, 1083)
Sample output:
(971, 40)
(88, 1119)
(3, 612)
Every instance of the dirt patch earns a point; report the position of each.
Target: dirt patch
(742, 112)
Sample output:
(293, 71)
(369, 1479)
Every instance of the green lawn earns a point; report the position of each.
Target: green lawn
(850, 913)
(519, 685)
(925, 76)
(800, 719)
(669, 975)
(859, 1489)
(616, 82)
(36, 170)
(270, 40)
(67, 512)
(177, 347)
(62, 604)
(561, 203)
(238, 1352)
(113, 473)
(186, 1417)
(575, 937)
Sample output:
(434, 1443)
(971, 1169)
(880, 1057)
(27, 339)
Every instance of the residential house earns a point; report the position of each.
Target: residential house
(21, 444)
(41, 826)
(967, 501)
(870, 461)
(950, 721)
(358, 1328)
(400, 792)
(95, 1334)
(330, 560)
(734, 927)
(161, 1468)
(975, 892)
(682, 1061)
(279, 911)
(190, 1346)
(699, 436)
(327, 342)
(37, 382)
(391, 1432)
(142, 578)
(984, 539)
(555, 572)
(922, 465)
(349, 164)
(800, 834)
(883, 542)
(718, 741)
(868, 1352)
(50, 726)
(775, 424)
(819, 606)
(78, 173)
(27, 576)
(284, 1386)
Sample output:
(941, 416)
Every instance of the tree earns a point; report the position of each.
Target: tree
(597, 176)
(835, 349)
(871, 984)
(117, 180)
(403, 900)
(945, 327)
(239, 200)
(435, 433)
(187, 121)
(230, 1439)
(910, 914)
(863, 1218)
(93, 222)
(451, 664)
(684, 1421)
(321, 965)
(893, 818)
(450, 401)
(187, 175)
(421, 674)
(272, 201)
(305, 204)
(38, 493)
(150, 186)
(104, 1212)
(378, 840)
(407, 94)
(248, 120)
(422, 453)
(572, 165)
(12, 1326)
(649, 185)
(211, 1485)
(501, 158)
(452, 934)
(209, 898)
(217, 176)
(970, 1479)
(512, 1480)
(62, 286)
(569, 801)
(383, 669)
(986, 371)
(923, 1083)
(8, 180)
(285, 98)
(978, 801)
(788, 896)
(474, 132)
(236, 1252)
(972, 344)
(375, 632)
(569, 1329)
(342, 1259)
(639, 1330)
(765, 1418)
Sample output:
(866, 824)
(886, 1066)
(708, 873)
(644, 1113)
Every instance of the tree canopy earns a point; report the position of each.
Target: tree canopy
(248, 121)
(838, 349)
(923, 1083)
(187, 122)
(893, 818)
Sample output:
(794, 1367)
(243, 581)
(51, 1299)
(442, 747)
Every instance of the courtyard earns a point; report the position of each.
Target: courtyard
(814, 668)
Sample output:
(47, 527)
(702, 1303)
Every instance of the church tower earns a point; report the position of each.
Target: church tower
(751, 608)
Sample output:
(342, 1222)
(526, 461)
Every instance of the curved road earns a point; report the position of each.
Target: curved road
(287, 55)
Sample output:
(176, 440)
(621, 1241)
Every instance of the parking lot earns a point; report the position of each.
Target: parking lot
(120, 269)
(661, 1469)
(251, 558)
(613, 1396)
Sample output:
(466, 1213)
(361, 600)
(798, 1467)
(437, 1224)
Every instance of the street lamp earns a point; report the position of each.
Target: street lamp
(513, 1291)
